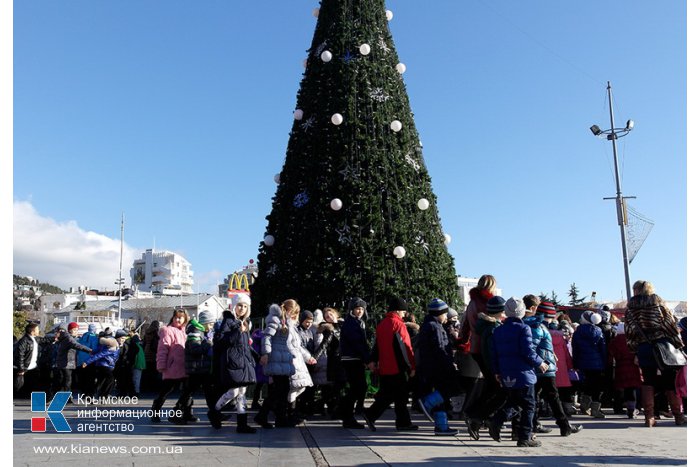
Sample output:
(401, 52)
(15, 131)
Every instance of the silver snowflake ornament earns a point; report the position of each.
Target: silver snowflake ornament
(308, 123)
(412, 162)
(378, 95)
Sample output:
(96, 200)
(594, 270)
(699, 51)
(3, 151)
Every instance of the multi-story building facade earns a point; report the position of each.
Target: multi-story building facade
(162, 272)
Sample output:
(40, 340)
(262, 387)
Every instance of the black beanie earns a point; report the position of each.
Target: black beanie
(355, 302)
(306, 314)
(397, 304)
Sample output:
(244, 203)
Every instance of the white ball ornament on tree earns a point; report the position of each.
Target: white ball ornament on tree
(269, 240)
(401, 68)
(315, 12)
(298, 114)
(399, 252)
(365, 49)
(336, 204)
(277, 179)
(326, 56)
(423, 204)
(448, 239)
(396, 126)
(337, 119)
(389, 15)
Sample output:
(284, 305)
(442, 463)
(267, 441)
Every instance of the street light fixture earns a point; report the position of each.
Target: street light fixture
(612, 135)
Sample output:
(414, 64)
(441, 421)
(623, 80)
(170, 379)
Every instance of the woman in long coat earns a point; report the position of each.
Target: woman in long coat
(647, 320)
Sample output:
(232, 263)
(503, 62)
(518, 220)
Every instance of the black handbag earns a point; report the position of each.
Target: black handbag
(666, 355)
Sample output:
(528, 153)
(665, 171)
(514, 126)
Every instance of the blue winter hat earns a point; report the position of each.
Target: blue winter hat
(436, 307)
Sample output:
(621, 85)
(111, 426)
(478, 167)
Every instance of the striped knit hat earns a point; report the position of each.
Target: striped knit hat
(436, 307)
(547, 309)
(495, 305)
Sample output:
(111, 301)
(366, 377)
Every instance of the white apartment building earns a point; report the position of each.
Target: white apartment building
(162, 272)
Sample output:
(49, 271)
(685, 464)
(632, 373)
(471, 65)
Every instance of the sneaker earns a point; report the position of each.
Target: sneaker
(529, 443)
(446, 432)
(410, 427)
(542, 429)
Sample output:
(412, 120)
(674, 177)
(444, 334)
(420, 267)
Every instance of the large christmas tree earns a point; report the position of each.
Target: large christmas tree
(354, 213)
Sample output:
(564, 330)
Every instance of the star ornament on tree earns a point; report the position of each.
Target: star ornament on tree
(272, 270)
(349, 173)
(348, 57)
(344, 234)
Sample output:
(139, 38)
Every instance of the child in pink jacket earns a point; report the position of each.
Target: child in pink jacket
(170, 362)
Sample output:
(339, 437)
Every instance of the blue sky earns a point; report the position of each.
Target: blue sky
(178, 114)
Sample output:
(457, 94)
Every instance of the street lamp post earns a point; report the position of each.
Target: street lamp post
(612, 135)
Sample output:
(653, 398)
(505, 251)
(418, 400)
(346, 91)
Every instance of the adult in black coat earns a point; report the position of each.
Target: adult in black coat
(25, 358)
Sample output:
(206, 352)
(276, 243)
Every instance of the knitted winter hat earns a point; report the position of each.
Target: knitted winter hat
(604, 316)
(121, 333)
(436, 307)
(357, 301)
(590, 317)
(397, 304)
(73, 325)
(495, 305)
(206, 317)
(515, 308)
(451, 313)
(306, 314)
(547, 309)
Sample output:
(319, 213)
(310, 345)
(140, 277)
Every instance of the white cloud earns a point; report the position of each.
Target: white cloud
(63, 254)
(208, 282)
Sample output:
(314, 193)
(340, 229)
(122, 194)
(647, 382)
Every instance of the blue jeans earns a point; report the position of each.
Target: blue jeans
(520, 400)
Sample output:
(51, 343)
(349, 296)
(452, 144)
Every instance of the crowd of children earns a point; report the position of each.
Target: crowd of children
(518, 359)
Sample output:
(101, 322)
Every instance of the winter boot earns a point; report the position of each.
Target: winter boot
(156, 408)
(675, 402)
(495, 431)
(648, 404)
(585, 404)
(188, 413)
(631, 407)
(473, 426)
(595, 410)
(428, 403)
(215, 418)
(442, 428)
(261, 418)
(242, 424)
(566, 428)
(569, 408)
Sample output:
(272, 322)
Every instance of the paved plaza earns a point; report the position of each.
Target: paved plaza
(614, 441)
